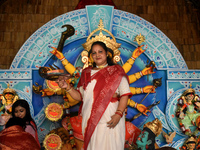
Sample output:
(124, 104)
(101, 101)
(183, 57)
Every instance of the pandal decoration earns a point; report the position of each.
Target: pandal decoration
(155, 126)
(9, 90)
(54, 111)
(52, 142)
(139, 39)
(110, 43)
(68, 126)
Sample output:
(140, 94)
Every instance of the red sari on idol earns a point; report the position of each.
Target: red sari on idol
(15, 138)
(97, 88)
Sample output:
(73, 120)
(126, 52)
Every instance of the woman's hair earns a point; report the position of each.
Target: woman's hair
(108, 50)
(23, 103)
(15, 121)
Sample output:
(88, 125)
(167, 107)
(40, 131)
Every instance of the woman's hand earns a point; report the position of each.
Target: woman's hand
(62, 82)
(114, 121)
(58, 54)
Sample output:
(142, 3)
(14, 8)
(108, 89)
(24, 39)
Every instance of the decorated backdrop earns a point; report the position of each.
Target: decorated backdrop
(169, 65)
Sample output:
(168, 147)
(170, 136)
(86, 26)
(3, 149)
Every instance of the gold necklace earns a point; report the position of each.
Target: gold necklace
(101, 67)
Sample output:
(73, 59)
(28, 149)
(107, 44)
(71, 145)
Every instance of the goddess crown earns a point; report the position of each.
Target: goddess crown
(8, 90)
(155, 126)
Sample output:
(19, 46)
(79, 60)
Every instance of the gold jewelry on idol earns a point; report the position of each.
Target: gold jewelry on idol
(9, 90)
(110, 43)
(155, 126)
(190, 90)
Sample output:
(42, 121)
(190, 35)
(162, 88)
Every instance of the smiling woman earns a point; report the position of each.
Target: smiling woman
(104, 90)
(100, 55)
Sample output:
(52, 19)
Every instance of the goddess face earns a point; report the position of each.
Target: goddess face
(99, 55)
(190, 97)
(9, 97)
(20, 112)
(191, 146)
(142, 139)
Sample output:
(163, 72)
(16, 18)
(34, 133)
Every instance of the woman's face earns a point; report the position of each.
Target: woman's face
(20, 112)
(99, 55)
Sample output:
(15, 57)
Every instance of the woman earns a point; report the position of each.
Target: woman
(104, 90)
(21, 109)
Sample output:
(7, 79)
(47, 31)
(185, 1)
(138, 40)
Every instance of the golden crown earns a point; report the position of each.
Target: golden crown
(191, 140)
(8, 90)
(110, 43)
(155, 126)
(190, 90)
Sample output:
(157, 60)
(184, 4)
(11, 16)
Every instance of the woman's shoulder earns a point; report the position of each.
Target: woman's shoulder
(86, 70)
(119, 67)
(31, 123)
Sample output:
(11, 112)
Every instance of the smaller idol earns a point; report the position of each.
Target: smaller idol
(187, 112)
(189, 144)
(8, 97)
(146, 139)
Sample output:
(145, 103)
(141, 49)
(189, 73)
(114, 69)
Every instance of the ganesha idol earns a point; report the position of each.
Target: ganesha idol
(187, 112)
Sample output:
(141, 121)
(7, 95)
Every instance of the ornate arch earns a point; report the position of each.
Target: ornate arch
(123, 25)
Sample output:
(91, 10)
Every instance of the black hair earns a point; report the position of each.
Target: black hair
(151, 137)
(15, 121)
(103, 45)
(189, 93)
(23, 103)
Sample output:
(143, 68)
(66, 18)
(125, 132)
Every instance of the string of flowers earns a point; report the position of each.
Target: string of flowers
(69, 126)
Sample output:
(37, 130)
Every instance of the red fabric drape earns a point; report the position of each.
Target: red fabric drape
(15, 137)
(83, 3)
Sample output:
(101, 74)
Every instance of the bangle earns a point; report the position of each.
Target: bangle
(69, 90)
(132, 58)
(135, 105)
(62, 59)
(118, 113)
(142, 90)
(141, 73)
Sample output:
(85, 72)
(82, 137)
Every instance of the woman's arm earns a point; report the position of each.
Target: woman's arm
(62, 82)
(74, 93)
(122, 103)
(119, 112)
(30, 130)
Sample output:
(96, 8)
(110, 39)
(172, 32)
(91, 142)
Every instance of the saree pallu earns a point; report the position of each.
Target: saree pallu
(16, 138)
